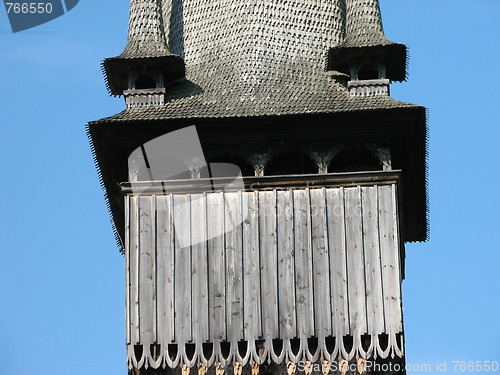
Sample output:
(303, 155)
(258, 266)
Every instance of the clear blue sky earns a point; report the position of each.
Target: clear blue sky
(61, 276)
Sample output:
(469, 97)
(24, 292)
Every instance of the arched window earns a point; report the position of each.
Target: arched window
(145, 81)
(355, 160)
(290, 163)
(368, 71)
(244, 166)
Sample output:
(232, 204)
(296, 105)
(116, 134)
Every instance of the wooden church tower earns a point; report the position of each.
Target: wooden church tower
(262, 184)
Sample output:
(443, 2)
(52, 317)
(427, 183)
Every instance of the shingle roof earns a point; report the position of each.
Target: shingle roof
(279, 95)
(253, 58)
(363, 24)
(146, 36)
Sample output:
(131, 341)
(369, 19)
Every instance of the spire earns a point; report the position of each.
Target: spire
(146, 66)
(369, 59)
(146, 36)
(364, 24)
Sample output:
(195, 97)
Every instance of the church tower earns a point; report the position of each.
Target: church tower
(262, 184)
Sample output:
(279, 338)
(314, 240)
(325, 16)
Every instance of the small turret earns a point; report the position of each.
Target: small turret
(370, 59)
(146, 66)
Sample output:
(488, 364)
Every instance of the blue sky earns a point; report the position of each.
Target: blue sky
(61, 276)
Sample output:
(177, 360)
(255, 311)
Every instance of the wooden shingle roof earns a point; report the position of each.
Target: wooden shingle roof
(253, 58)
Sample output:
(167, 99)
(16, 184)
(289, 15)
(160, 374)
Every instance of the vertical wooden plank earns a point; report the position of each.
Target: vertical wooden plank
(269, 266)
(251, 267)
(303, 264)
(338, 261)
(373, 273)
(234, 272)
(146, 264)
(355, 262)
(127, 268)
(154, 281)
(134, 270)
(165, 265)
(183, 313)
(321, 269)
(286, 266)
(396, 260)
(389, 268)
(200, 269)
(397, 257)
(216, 266)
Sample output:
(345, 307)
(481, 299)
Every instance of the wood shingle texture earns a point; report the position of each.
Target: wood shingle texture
(253, 58)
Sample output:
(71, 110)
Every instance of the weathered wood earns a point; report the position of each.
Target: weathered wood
(355, 262)
(147, 301)
(373, 273)
(183, 287)
(303, 264)
(277, 264)
(269, 266)
(264, 182)
(234, 256)
(199, 268)
(321, 266)
(338, 261)
(135, 337)
(286, 266)
(251, 267)
(127, 270)
(217, 266)
(390, 268)
(165, 268)
(396, 259)
(153, 269)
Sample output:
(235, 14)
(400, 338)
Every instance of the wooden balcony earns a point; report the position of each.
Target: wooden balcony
(293, 268)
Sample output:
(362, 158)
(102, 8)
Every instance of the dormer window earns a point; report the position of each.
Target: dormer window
(145, 88)
(368, 71)
(145, 81)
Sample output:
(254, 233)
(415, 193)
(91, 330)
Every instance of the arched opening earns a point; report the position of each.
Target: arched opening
(368, 71)
(290, 163)
(227, 171)
(145, 81)
(355, 160)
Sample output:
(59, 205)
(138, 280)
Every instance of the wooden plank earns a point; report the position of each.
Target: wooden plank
(321, 266)
(153, 269)
(391, 283)
(355, 262)
(338, 261)
(303, 264)
(286, 266)
(127, 269)
(165, 265)
(217, 266)
(183, 313)
(373, 272)
(396, 259)
(147, 293)
(200, 268)
(269, 266)
(251, 267)
(234, 272)
(134, 271)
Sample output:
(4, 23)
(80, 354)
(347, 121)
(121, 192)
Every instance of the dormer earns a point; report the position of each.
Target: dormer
(369, 59)
(146, 66)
